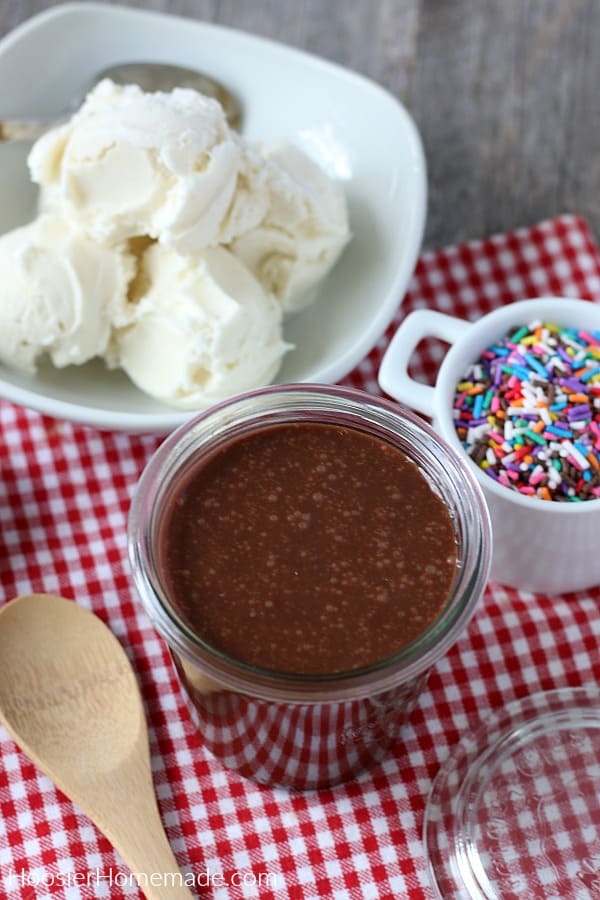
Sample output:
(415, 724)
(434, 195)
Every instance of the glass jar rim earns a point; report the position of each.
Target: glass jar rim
(253, 411)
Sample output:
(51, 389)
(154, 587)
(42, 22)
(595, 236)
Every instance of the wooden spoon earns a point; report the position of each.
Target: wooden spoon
(69, 698)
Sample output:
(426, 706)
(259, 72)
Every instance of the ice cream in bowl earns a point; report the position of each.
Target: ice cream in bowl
(166, 246)
(173, 262)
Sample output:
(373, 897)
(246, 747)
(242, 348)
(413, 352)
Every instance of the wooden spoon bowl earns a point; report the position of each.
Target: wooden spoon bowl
(70, 699)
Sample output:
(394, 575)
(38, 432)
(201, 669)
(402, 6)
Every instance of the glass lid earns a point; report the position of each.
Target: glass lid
(514, 812)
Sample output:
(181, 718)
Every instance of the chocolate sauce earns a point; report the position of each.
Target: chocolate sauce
(307, 548)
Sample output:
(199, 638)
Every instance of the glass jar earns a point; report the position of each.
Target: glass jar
(305, 731)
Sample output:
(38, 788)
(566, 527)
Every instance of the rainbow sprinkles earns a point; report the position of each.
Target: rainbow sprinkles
(528, 412)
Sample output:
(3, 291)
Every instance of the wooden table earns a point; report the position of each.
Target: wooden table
(505, 92)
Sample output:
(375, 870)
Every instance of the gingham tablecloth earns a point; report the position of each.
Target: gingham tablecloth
(64, 496)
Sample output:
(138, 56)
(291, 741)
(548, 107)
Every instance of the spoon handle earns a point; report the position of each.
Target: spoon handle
(13, 131)
(128, 815)
(153, 864)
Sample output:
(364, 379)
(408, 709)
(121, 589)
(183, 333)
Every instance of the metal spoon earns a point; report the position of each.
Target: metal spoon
(150, 77)
(69, 698)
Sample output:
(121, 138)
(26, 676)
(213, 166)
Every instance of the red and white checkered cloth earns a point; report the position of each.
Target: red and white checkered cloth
(64, 496)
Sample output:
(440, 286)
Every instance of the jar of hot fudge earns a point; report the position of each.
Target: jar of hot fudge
(308, 553)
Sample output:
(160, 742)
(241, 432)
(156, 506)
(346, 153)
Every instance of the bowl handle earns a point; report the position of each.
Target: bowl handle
(393, 373)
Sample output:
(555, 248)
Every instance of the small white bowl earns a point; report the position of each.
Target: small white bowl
(542, 546)
(358, 132)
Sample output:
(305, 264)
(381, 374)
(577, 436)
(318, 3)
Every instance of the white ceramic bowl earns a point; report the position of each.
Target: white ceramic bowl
(357, 131)
(539, 546)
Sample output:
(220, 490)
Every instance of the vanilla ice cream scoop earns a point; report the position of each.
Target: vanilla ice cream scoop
(131, 163)
(203, 328)
(59, 294)
(303, 232)
(166, 245)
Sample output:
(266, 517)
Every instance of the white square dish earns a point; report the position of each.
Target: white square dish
(356, 131)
